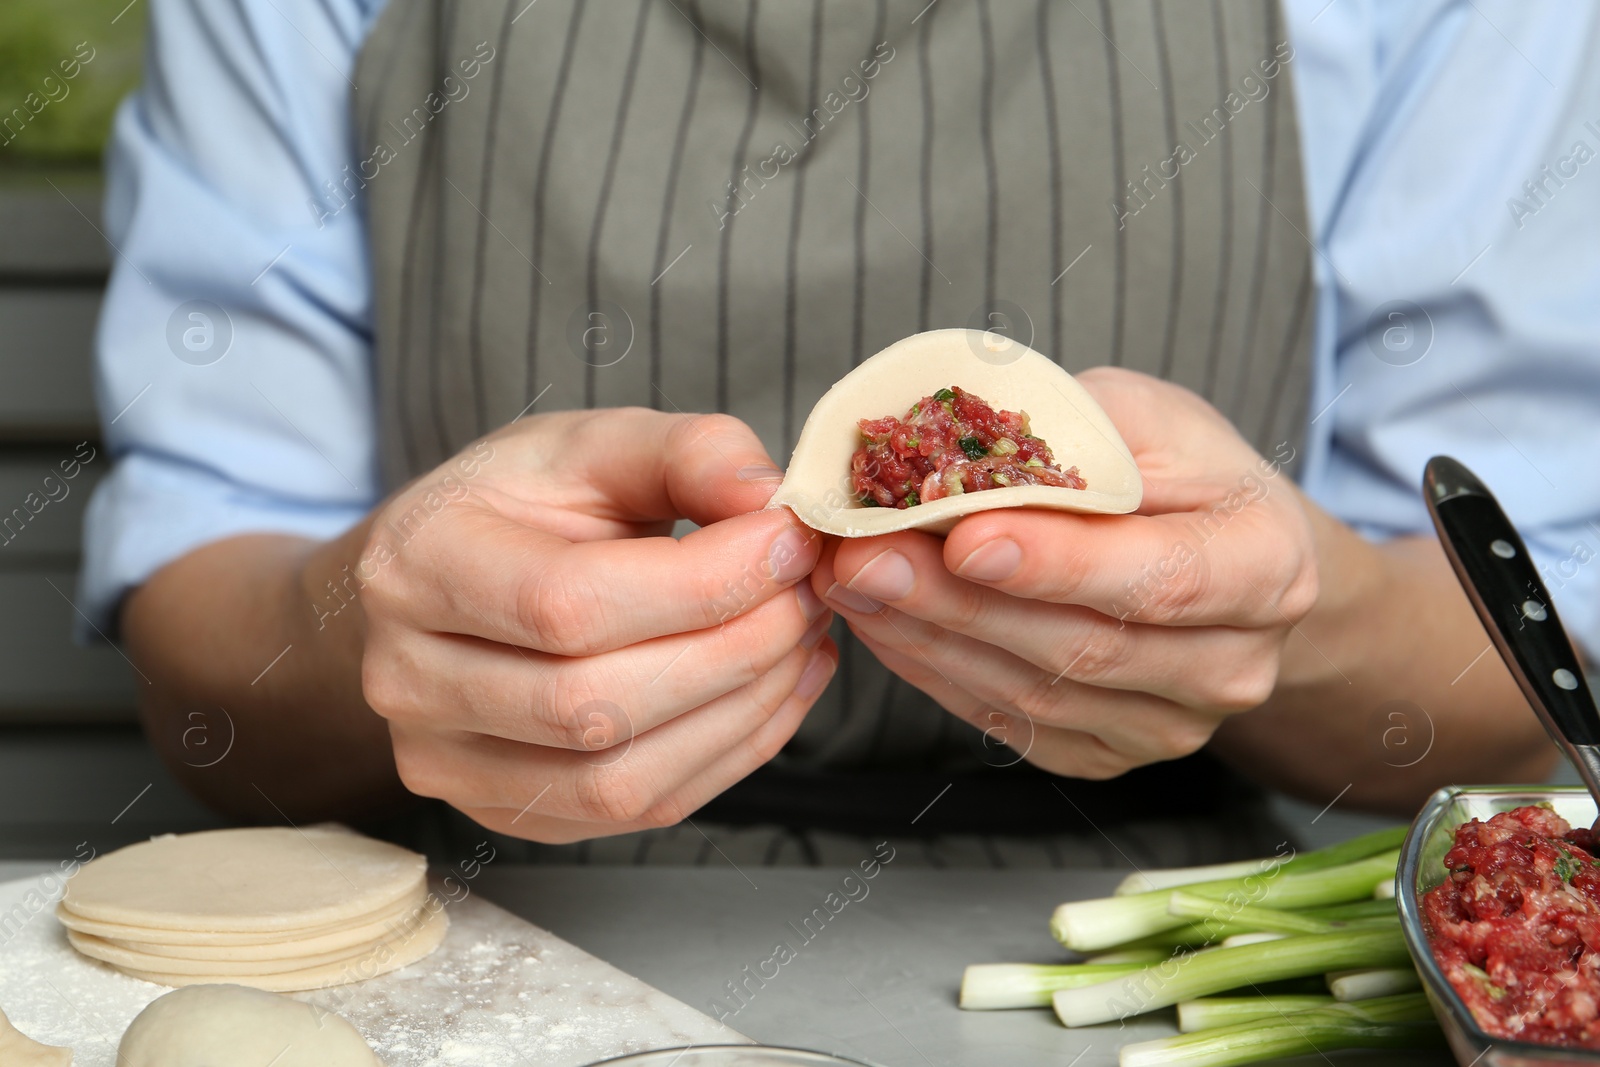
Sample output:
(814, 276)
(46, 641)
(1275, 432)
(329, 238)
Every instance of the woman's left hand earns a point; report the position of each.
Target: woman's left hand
(1093, 644)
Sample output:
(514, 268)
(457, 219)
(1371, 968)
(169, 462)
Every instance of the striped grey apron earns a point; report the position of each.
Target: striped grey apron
(699, 205)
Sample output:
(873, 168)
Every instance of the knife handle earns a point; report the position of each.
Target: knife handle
(1503, 583)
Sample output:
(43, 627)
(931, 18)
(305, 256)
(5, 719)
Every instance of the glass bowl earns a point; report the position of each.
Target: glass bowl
(730, 1056)
(1422, 868)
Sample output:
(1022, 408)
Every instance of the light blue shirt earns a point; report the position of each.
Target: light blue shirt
(1420, 125)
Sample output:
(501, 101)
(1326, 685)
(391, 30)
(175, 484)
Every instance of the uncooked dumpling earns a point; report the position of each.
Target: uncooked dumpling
(233, 1026)
(19, 1050)
(1006, 374)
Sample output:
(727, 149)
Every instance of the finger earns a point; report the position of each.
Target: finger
(617, 785)
(1061, 750)
(660, 465)
(718, 469)
(1164, 425)
(1152, 415)
(1138, 725)
(755, 751)
(732, 767)
(744, 757)
(1223, 547)
(1206, 666)
(479, 686)
(1163, 569)
(488, 576)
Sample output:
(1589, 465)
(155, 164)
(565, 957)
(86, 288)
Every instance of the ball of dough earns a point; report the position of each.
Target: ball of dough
(235, 1026)
(19, 1050)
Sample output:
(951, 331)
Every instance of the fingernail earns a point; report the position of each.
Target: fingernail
(759, 472)
(993, 562)
(811, 604)
(816, 632)
(887, 576)
(849, 598)
(790, 556)
(814, 679)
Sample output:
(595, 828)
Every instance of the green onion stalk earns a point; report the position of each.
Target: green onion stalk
(1375, 982)
(1093, 925)
(1253, 937)
(1209, 1013)
(1333, 856)
(1216, 970)
(1197, 934)
(1402, 1021)
(1357, 909)
(1130, 955)
(990, 986)
(1270, 920)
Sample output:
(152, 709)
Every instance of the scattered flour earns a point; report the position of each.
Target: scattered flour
(488, 995)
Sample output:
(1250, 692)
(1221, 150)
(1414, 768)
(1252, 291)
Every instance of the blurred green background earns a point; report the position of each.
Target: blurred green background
(35, 36)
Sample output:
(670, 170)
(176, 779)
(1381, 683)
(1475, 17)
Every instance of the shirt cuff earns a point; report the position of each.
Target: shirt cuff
(149, 512)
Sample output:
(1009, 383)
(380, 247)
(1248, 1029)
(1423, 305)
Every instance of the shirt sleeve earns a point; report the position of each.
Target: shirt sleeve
(232, 358)
(1451, 158)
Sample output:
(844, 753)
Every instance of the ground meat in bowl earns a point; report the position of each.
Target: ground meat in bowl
(1516, 927)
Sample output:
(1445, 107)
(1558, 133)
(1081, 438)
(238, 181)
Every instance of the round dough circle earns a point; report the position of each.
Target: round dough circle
(232, 1026)
(212, 944)
(388, 956)
(19, 1050)
(216, 967)
(255, 880)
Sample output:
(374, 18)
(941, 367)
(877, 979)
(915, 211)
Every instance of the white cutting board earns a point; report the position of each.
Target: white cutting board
(498, 991)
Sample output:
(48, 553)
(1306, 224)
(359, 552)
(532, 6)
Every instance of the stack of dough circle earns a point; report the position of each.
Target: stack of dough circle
(273, 908)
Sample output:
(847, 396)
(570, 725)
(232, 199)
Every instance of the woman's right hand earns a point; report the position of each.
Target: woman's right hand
(555, 665)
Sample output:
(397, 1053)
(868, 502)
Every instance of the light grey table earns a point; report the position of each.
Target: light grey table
(876, 982)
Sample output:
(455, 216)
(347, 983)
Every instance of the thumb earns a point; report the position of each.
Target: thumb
(717, 468)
